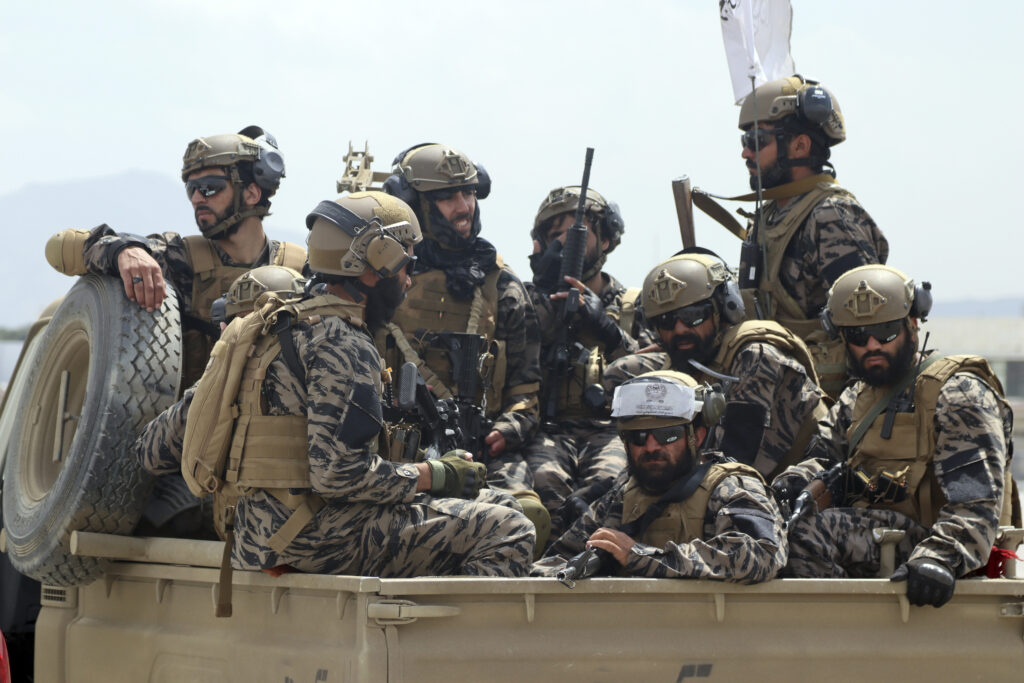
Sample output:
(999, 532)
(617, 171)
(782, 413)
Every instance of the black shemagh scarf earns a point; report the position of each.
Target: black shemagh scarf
(464, 270)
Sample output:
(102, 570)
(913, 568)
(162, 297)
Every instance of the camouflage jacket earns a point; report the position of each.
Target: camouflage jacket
(744, 541)
(970, 420)
(837, 236)
(773, 387)
(168, 249)
(341, 400)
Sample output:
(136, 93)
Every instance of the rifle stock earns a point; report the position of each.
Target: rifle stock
(682, 193)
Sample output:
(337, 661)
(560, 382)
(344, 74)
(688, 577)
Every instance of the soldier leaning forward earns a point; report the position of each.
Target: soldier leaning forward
(811, 230)
(229, 179)
(305, 485)
(924, 442)
(577, 452)
(773, 401)
(682, 513)
(461, 286)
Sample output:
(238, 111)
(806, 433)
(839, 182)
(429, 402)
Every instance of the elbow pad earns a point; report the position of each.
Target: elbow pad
(65, 251)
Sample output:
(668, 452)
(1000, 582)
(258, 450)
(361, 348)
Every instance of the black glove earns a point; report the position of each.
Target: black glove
(593, 319)
(786, 489)
(545, 266)
(928, 582)
(454, 475)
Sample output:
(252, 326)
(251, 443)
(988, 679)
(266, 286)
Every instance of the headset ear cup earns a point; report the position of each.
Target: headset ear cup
(714, 405)
(397, 186)
(483, 180)
(731, 302)
(826, 323)
(922, 305)
(384, 253)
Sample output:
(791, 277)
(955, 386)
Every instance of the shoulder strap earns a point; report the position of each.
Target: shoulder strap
(283, 329)
(627, 311)
(201, 253)
(680, 491)
(881, 404)
(291, 255)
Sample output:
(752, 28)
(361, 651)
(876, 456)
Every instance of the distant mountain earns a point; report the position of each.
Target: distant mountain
(141, 202)
(988, 308)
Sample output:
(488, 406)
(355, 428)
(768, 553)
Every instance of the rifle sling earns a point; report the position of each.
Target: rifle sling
(884, 402)
(681, 490)
(705, 203)
(191, 322)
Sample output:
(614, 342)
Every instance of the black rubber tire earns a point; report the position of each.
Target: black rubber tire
(124, 368)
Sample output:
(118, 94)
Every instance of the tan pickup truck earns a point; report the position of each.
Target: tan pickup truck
(122, 608)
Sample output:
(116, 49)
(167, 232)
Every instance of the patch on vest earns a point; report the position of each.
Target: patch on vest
(757, 524)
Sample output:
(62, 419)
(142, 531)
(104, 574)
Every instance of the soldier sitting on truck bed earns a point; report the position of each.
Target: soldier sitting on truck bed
(305, 487)
(772, 409)
(922, 442)
(682, 513)
(577, 451)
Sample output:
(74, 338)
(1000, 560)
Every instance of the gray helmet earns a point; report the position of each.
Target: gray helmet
(687, 279)
(561, 200)
(807, 100)
(361, 230)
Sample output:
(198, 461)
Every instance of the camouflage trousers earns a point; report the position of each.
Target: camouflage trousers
(508, 472)
(837, 543)
(571, 455)
(428, 537)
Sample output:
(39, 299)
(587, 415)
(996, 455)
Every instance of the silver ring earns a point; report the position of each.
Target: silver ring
(136, 279)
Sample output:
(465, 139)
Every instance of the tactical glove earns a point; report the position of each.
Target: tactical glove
(593, 319)
(545, 266)
(454, 475)
(786, 489)
(928, 582)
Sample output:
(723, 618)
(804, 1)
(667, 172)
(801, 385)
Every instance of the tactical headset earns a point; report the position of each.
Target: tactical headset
(384, 254)
(398, 185)
(268, 168)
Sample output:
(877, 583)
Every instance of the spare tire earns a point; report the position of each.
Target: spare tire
(105, 367)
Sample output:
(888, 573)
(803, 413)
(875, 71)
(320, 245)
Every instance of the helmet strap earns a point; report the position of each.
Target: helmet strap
(227, 227)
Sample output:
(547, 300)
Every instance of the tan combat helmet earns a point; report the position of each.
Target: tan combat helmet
(361, 230)
(607, 218)
(687, 279)
(874, 294)
(431, 167)
(253, 146)
(251, 285)
(808, 100)
(657, 399)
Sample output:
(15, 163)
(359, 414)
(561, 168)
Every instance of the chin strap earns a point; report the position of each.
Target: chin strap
(224, 227)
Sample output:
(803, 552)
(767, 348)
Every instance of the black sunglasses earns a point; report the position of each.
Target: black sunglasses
(208, 185)
(691, 316)
(663, 435)
(882, 332)
(443, 195)
(763, 137)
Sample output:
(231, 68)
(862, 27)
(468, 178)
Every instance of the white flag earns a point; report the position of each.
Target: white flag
(756, 35)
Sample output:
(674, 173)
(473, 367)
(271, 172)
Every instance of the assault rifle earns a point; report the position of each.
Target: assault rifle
(465, 352)
(435, 420)
(558, 357)
(827, 489)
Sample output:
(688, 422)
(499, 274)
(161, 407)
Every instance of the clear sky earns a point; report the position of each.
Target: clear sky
(930, 91)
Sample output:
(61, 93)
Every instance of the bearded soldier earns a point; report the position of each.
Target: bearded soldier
(309, 491)
(462, 292)
(682, 513)
(811, 230)
(925, 442)
(229, 179)
(771, 393)
(577, 450)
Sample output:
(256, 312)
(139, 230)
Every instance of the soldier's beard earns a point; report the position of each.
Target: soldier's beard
(701, 351)
(773, 176)
(660, 472)
(382, 301)
(898, 364)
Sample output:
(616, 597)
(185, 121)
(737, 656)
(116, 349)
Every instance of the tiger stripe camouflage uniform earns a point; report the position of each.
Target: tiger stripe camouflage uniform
(973, 431)
(743, 537)
(837, 236)
(768, 379)
(374, 522)
(575, 452)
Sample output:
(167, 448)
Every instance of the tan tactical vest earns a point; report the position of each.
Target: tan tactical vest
(682, 521)
(767, 331)
(231, 447)
(777, 304)
(910, 450)
(430, 307)
(211, 279)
